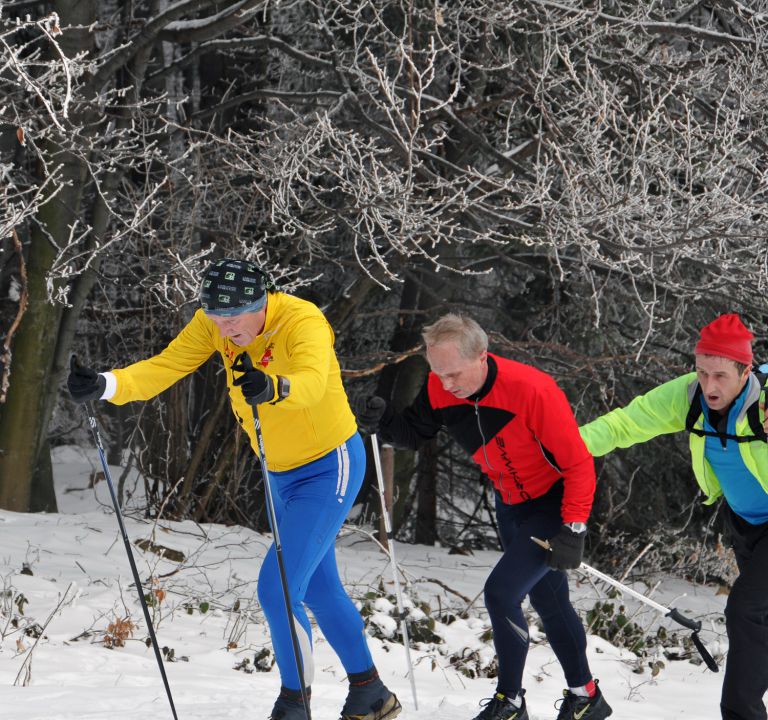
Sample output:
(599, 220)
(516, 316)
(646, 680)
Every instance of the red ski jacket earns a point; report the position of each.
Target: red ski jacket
(519, 428)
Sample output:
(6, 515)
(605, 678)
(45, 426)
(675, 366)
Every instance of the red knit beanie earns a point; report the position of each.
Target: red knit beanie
(726, 337)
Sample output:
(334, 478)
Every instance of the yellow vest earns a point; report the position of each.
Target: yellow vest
(297, 343)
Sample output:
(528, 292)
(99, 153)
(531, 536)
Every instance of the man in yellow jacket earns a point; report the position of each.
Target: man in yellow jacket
(278, 354)
(722, 406)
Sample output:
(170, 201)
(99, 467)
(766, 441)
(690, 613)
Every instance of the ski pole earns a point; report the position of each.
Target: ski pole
(131, 561)
(391, 550)
(248, 365)
(672, 613)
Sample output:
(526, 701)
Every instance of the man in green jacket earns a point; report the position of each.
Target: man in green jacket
(722, 406)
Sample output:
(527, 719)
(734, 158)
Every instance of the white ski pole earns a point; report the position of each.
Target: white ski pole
(672, 613)
(391, 551)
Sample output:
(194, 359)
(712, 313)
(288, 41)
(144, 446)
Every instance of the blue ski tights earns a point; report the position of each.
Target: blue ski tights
(311, 503)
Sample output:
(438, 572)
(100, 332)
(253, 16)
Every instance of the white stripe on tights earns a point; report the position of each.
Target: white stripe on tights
(305, 648)
(338, 469)
(342, 480)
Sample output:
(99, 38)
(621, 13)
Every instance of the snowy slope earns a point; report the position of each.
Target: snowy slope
(208, 616)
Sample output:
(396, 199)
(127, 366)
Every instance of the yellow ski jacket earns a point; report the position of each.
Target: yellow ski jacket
(296, 343)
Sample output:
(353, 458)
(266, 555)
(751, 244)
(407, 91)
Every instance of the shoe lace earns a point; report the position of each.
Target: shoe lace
(493, 708)
(568, 703)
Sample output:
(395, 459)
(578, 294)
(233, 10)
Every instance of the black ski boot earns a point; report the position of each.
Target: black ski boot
(499, 707)
(576, 707)
(289, 705)
(369, 699)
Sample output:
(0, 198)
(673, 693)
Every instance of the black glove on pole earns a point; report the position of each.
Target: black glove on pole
(100, 447)
(84, 383)
(369, 416)
(256, 385)
(250, 382)
(567, 549)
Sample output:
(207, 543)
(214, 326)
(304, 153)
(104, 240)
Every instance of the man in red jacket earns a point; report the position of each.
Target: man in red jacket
(518, 427)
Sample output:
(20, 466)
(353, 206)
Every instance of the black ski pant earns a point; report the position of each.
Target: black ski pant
(746, 621)
(521, 571)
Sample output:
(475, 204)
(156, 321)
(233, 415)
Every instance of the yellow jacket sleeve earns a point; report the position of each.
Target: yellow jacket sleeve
(184, 354)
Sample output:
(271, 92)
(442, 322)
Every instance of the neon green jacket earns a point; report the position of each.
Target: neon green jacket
(663, 410)
(297, 343)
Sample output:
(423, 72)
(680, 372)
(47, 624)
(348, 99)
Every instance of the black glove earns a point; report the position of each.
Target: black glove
(567, 549)
(256, 385)
(84, 383)
(369, 416)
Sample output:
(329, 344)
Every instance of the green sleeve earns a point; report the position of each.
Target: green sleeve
(658, 412)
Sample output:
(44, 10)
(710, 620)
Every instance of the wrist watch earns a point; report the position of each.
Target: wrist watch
(576, 527)
(283, 389)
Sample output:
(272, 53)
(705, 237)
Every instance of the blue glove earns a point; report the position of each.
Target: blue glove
(256, 385)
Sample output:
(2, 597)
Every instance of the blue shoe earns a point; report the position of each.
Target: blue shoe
(372, 701)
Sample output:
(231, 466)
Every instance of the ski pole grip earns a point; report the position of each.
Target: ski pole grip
(678, 617)
(709, 661)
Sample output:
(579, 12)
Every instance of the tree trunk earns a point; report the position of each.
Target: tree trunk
(426, 495)
(400, 383)
(22, 423)
(37, 364)
(43, 497)
(216, 418)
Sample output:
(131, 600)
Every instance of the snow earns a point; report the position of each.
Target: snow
(209, 617)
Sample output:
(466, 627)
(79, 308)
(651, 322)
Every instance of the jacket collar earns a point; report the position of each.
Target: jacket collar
(490, 378)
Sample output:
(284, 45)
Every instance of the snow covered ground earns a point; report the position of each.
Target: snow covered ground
(72, 571)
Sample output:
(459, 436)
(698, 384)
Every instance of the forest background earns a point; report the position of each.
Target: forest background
(586, 179)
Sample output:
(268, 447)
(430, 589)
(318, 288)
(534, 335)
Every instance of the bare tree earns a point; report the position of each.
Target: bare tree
(589, 182)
